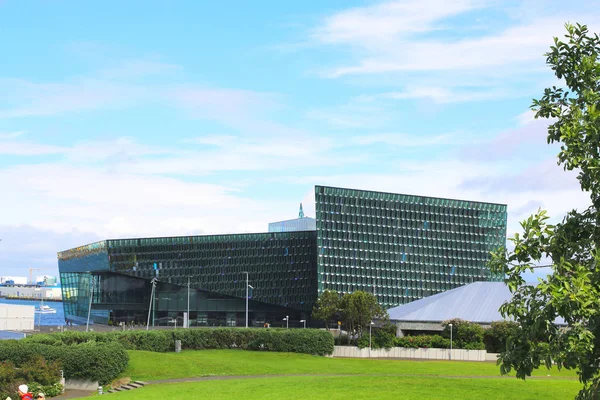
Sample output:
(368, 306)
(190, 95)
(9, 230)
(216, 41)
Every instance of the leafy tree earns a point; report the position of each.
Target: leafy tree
(358, 309)
(465, 334)
(572, 290)
(496, 337)
(328, 305)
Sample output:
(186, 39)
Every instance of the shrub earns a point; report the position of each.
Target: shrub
(39, 374)
(383, 337)
(48, 390)
(8, 379)
(465, 335)
(310, 341)
(41, 371)
(423, 341)
(94, 361)
(159, 341)
(497, 335)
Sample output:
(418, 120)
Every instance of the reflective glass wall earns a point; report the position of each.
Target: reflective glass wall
(403, 247)
(281, 266)
(76, 267)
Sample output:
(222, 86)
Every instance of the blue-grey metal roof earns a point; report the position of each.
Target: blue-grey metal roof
(476, 302)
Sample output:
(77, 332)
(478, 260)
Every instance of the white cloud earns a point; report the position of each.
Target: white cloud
(11, 135)
(514, 47)
(45, 99)
(402, 37)
(61, 198)
(381, 23)
(399, 139)
(530, 135)
(443, 95)
(28, 148)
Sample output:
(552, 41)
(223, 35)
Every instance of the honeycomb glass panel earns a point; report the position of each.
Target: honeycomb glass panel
(412, 236)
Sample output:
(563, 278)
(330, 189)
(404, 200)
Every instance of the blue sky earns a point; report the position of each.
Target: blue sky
(140, 118)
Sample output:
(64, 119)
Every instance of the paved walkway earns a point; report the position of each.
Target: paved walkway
(227, 377)
(74, 394)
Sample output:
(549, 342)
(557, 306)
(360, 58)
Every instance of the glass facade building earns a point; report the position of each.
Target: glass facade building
(403, 247)
(294, 225)
(399, 247)
(281, 269)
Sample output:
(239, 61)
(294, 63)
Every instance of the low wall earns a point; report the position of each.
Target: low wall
(16, 317)
(79, 384)
(402, 352)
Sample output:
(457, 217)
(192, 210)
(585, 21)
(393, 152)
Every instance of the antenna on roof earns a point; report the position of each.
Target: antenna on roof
(301, 212)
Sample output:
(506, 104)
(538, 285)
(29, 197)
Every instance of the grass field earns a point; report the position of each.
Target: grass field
(145, 365)
(326, 378)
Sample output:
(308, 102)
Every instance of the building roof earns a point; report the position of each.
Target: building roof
(476, 302)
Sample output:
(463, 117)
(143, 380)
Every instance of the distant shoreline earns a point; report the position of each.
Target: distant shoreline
(29, 298)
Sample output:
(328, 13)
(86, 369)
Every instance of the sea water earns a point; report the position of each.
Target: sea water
(42, 319)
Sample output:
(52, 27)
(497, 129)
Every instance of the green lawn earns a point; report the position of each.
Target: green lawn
(361, 387)
(327, 378)
(148, 366)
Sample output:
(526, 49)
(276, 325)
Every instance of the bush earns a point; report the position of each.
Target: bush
(423, 341)
(159, 341)
(383, 337)
(496, 337)
(41, 371)
(93, 361)
(39, 374)
(48, 390)
(465, 335)
(8, 379)
(309, 341)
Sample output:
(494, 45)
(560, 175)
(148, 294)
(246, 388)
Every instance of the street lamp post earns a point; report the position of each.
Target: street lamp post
(153, 281)
(92, 282)
(287, 322)
(450, 325)
(187, 323)
(248, 286)
(370, 326)
(303, 320)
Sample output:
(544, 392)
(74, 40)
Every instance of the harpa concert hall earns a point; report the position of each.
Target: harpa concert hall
(399, 247)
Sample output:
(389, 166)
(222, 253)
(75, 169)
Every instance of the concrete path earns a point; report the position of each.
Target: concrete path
(74, 394)
(228, 377)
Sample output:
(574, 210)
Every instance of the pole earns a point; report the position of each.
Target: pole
(247, 283)
(188, 312)
(287, 322)
(370, 325)
(150, 305)
(87, 325)
(450, 325)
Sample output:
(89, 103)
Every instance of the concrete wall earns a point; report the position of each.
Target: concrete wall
(30, 292)
(79, 384)
(401, 352)
(16, 318)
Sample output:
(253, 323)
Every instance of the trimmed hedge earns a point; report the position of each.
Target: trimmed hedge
(308, 341)
(90, 360)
